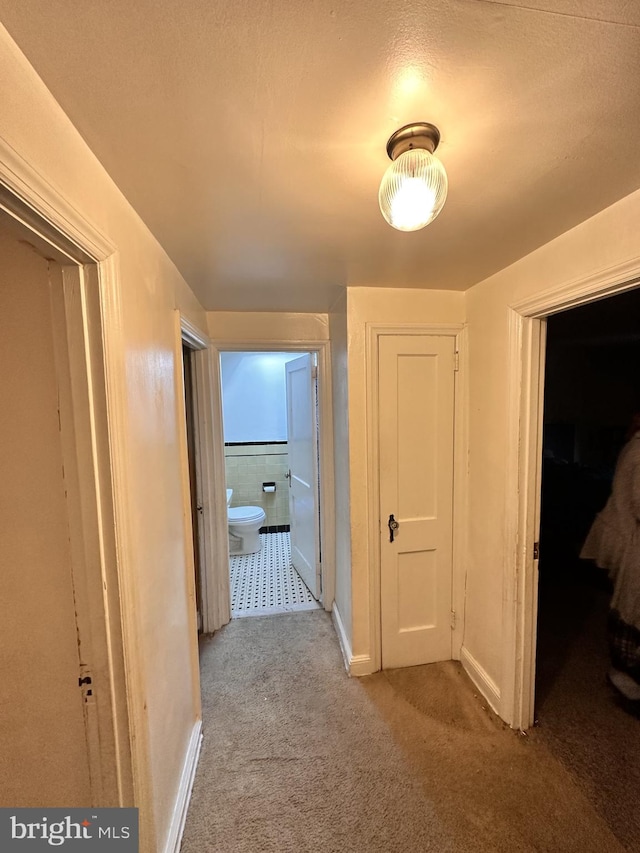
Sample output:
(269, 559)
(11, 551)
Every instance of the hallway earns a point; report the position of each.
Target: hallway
(297, 756)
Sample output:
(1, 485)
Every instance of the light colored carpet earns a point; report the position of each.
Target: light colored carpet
(297, 756)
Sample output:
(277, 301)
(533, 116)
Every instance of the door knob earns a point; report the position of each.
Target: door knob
(393, 526)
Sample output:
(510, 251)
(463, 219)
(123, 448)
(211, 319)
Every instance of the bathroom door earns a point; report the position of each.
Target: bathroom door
(416, 408)
(302, 435)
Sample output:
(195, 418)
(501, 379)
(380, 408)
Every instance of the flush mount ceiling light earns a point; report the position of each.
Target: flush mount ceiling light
(414, 187)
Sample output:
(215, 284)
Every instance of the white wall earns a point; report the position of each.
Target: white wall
(150, 289)
(254, 398)
(367, 305)
(609, 239)
(228, 327)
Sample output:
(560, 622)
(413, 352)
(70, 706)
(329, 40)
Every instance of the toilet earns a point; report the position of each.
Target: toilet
(244, 525)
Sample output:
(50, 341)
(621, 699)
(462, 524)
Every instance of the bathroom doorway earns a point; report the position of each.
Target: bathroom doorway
(270, 429)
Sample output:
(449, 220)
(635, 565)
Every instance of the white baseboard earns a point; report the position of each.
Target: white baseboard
(361, 665)
(355, 664)
(345, 645)
(181, 807)
(485, 684)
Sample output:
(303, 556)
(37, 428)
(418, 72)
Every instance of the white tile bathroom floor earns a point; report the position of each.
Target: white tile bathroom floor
(266, 582)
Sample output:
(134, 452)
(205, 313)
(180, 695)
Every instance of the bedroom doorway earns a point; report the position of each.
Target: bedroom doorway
(527, 363)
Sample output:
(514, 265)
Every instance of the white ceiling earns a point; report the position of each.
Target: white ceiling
(250, 134)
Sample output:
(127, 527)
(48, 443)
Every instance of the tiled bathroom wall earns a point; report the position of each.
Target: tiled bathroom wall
(248, 466)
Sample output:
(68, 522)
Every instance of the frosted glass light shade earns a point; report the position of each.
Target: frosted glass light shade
(413, 190)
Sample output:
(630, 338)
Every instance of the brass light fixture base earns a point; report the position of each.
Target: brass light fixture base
(421, 134)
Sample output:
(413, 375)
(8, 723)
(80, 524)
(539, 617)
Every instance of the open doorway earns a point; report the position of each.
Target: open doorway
(591, 391)
(270, 414)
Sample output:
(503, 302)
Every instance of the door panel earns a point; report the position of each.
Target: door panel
(416, 394)
(302, 437)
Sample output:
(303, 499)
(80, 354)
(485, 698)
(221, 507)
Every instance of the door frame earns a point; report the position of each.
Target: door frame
(526, 363)
(87, 327)
(209, 462)
(325, 430)
(374, 331)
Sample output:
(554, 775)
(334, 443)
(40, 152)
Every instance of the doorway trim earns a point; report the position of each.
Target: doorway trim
(526, 362)
(374, 331)
(325, 429)
(210, 466)
(88, 313)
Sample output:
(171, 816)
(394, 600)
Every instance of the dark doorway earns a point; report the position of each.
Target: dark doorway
(592, 387)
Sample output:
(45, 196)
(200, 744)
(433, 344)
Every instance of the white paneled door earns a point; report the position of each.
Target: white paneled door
(416, 432)
(302, 437)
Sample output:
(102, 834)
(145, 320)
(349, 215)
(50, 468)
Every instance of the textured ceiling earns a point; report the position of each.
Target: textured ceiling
(250, 135)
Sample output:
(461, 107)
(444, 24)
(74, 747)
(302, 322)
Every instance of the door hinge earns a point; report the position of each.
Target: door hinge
(536, 550)
(453, 620)
(85, 682)
(456, 361)
(314, 372)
